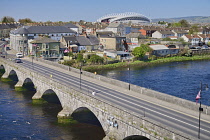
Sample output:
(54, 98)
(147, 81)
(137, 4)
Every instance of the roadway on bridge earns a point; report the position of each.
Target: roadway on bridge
(170, 118)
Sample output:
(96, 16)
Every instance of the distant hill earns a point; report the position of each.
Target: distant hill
(191, 19)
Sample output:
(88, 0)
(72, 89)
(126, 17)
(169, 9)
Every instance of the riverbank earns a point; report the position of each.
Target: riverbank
(93, 68)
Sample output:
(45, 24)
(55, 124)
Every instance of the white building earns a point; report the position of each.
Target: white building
(117, 28)
(162, 34)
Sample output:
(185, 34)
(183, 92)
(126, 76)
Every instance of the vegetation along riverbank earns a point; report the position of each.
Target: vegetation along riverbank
(93, 68)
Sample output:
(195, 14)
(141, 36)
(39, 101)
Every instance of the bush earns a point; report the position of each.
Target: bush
(69, 62)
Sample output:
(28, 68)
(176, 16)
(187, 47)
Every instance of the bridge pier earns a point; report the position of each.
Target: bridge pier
(37, 95)
(65, 113)
(19, 84)
(5, 75)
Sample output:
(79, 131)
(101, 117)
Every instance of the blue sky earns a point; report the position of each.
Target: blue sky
(91, 10)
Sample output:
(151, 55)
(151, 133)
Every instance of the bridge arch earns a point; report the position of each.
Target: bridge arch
(2, 69)
(50, 96)
(136, 137)
(88, 116)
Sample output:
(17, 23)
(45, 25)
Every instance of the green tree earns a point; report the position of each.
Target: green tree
(193, 29)
(184, 23)
(139, 52)
(80, 57)
(25, 20)
(95, 59)
(7, 19)
(146, 47)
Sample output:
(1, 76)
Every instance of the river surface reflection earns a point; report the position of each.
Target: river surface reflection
(180, 79)
(20, 119)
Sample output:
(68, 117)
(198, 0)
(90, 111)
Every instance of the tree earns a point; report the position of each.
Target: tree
(96, 59)
(79, 57)
(7, 19)
(139, 52)
(25, 20)
(184, 23)
(193, 29)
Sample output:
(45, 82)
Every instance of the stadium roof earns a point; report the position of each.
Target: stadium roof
(125, 18)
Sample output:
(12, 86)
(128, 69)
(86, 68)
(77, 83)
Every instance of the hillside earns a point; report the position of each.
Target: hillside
(191, 19)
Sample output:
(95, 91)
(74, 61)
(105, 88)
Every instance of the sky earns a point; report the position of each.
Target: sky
(91, 10)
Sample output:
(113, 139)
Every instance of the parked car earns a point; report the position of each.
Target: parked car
(19, 55)
(204, 47)
(198, 47)
(18, 60)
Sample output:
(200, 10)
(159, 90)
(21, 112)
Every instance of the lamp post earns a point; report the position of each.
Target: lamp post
(80, 74)
(129, 86)
(200, 108)
(83, 61)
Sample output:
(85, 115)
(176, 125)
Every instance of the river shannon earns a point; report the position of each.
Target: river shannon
(20, 119)
(180, 79)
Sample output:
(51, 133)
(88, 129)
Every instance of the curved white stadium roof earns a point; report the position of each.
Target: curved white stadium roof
(125, 17)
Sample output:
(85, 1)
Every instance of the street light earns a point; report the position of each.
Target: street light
(129, 81)
(81, 71)
(80, 74)
(200, 108)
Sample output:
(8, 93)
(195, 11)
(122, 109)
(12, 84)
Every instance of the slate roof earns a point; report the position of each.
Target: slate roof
(4, 26)
(43, 40)
(82, 40)
(135, 35)
(42, 30)
(180, 31)
(166, 32)
(72, 39)
(70, 25)
(8, 26)
(93, 40)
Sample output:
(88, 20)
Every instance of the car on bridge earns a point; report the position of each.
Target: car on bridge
(18, 60)
(19, 55)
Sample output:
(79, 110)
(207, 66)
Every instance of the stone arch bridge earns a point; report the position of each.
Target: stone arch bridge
(116, 122)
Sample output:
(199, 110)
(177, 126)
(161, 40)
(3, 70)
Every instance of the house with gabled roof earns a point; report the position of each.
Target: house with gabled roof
(194, 39)
(45, 47)
(179, 33)
(78, 43)
(6, 28)
(72, 27)
(163, 34)
(163, 50)
(117, 28)
(19, 37)
(205, 38)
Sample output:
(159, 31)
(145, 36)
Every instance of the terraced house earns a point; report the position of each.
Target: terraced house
(19, 37)
(5, 29)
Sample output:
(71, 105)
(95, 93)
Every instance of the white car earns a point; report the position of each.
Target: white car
(19, 55)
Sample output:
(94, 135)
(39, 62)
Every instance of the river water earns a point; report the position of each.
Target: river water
(20, 119)
(180, 79)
